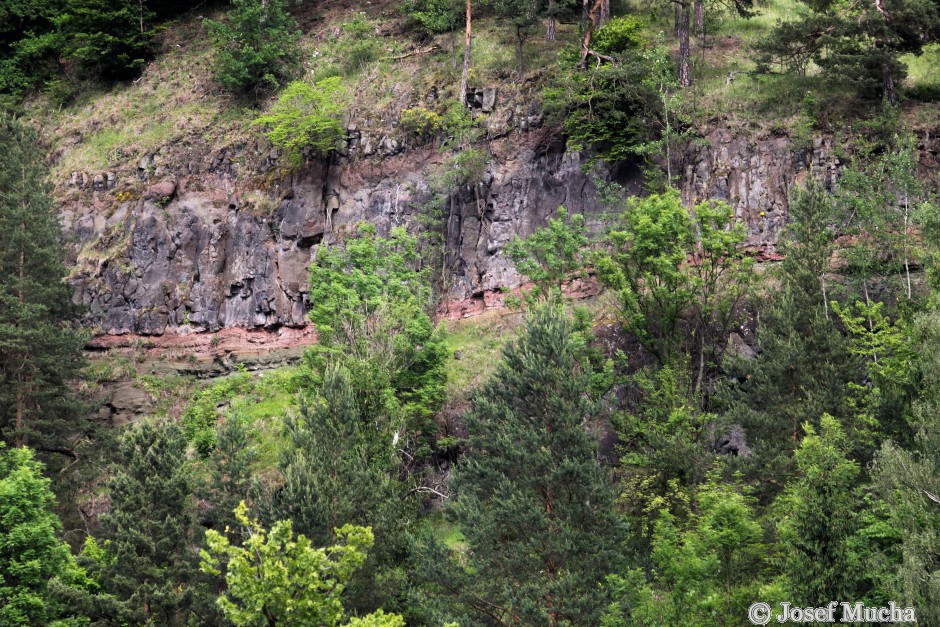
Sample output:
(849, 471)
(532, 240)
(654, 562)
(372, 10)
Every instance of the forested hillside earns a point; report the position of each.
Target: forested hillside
(469, 312)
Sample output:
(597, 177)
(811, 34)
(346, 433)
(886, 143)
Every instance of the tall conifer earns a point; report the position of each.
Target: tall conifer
(38, 353)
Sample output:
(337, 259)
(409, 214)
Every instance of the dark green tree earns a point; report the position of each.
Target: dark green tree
(532, 500)
(857, 46)
(344, 467)
(257, 46)
(229, 473)
(146, 560)
(39, 354)
(32, 556)
(804, 367)
(112, 40)
(907, 482)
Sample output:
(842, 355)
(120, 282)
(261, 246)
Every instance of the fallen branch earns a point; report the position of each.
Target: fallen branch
(599, 56)
(61, 450)
(411, 54)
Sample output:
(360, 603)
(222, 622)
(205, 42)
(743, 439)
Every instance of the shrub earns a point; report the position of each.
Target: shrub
(435, 16)
(358, 45)
(257, 46)
(306, 117)
(619, 35)
(420, 123)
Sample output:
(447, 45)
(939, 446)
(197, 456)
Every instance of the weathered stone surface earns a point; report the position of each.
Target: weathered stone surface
(209, 259)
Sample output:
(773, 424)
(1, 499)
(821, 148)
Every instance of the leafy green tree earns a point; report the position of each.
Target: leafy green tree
(32, 556)
(306, 118)
(665, 451)
(146, 560)
(704, 572)
(39, 353)
(680, 277)
(880, 198)
(818, 520)
(532, 499)
(436, 16)
(277, 579)
(370, 302)
(109, 39)
(343, 466)
(257, 46)
(554, 254)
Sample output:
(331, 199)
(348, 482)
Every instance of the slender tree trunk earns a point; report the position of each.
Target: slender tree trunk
(589, 32)
(585, 9)
(466, 58)
(676, 16)
(891, 93)
(907, 264)
(700, 21)
(519, 56)
(19, 439)
(685, 75)
(550, 25)
(605, 13)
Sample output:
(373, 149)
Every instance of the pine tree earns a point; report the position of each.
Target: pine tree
(38, 354)
(148, 557)
(533, 501)
(804, 366)
(343, 468)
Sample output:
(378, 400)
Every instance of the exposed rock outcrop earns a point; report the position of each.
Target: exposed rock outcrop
(202, 245)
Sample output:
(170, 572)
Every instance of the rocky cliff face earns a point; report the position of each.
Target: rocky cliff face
(197, 243)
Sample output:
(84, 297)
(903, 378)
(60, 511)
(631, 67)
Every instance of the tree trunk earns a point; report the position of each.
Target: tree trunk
(676, 16)
(700, 21)
(605, 13)
(685, 75)
(550, 25)
(19, 437)
(585, 9)
(519, 56)
(589, 33)
(466, 59)
(891, 92)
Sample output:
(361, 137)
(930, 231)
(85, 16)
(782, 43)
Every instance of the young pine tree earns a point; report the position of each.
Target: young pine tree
(38, 354)
(533, 501)
(343, 467)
